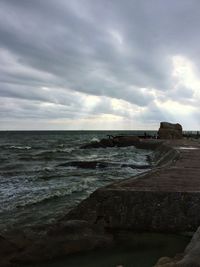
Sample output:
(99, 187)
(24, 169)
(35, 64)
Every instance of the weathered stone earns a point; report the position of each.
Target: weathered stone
(170, 131)
(164, 260)
(118, 207)
(106, 143)
(6, 246)
(171, 264)
(126, 140)
(192, 252)
(102, 164)
(62, 239)
(119, 141)
(86, 164)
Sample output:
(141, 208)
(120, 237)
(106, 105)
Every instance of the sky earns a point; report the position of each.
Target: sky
(99, 65)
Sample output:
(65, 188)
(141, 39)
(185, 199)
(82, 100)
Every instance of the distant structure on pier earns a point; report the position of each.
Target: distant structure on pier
(170, 131)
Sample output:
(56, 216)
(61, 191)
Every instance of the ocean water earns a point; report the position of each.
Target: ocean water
(39, 182)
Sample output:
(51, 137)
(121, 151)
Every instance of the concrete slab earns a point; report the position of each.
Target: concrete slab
(182, 176)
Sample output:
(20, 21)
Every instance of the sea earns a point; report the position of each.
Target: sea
(39, 182)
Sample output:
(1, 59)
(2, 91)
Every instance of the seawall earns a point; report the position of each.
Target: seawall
(166, 199)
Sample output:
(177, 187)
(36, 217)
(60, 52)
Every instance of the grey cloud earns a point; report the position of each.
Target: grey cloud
(183, 94)
(153, 114)
(102, 48)
(79, 48)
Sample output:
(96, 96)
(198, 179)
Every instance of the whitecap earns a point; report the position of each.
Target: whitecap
(61, 145)
(21, 147)
(187, 148)
(48, 169)
(94, 139)
(71, 168)
(66, 150)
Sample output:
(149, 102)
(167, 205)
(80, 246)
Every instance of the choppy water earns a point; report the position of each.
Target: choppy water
(37, 183)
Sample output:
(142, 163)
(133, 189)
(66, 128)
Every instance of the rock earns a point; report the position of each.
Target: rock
(167, 265)
(194, 243)
(101, 165)
(102, 143)
(170, 131)
(86, 164)
(71, 227)
(190, 258)
(106, 143)
(192, 252)
(6, 246)
(164, 260)
(62, 239)
(6, 249)
(119, 141)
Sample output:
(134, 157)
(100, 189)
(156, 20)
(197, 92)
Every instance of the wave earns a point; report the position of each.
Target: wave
(83, 185)
(48, 169)
(95, 139)
(65, 150)
(21, 147)
(56, 150)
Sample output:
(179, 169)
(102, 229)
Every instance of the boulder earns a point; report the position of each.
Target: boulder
(170, 131)
(192, 252)
(119, 141)
(102, 165)
(103, 143)
(106, 142)
(122, 141)
(63, 239)
(86, 164)
(7, 248)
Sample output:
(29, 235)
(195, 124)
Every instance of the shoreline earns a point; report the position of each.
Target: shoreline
(91, 224)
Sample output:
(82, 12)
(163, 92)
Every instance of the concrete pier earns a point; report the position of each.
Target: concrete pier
(166, 199)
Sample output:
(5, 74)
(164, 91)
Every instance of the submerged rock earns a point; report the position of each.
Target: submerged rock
(86, 164)
(102, 164)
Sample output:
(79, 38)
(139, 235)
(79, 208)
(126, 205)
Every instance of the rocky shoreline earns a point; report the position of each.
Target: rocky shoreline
(150, 202)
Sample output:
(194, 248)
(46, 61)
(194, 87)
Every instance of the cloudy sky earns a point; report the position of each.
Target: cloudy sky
(90, 64)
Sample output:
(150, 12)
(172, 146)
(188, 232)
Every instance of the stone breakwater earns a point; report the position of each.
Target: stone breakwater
(166, 199)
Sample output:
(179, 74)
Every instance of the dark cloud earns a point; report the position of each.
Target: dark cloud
(56, 53)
